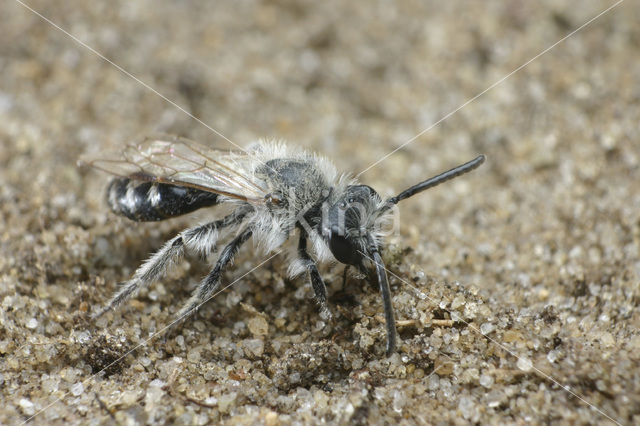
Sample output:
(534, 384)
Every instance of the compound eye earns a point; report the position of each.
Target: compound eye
(342, 206)
(343, 250)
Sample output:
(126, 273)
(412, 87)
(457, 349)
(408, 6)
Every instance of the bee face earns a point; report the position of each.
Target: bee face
(348, 221)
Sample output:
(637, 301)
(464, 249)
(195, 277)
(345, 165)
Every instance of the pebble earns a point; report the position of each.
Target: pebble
(226, 401)
(487, 328)
(607, 339)
(77, 389)
(258, 326)
(399, 401)
(466, 406)
(254, 346)
(486, 380)
(524, 364)
(28, 407)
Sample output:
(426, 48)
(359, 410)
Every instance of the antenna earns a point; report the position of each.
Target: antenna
(436, 180)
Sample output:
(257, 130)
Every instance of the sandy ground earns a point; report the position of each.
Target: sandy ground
(516, 287)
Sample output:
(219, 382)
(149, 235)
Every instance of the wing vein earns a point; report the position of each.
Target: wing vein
(178, 161)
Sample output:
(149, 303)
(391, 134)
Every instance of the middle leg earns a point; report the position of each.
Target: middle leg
(317, 283)
(210, 284)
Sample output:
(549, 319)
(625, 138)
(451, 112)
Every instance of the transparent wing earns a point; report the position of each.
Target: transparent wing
(179, 161)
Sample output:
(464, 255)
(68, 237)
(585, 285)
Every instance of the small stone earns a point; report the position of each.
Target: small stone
(83, 337)
(456, 316)
(399, 401)
(49, 384)
(129, 397)
(466, 407)
(77, 389)
(607, 339)
(294, 377)
(634, 343)
(495, 398)
(487, 328)
(486, 380)
(258, 326)
(525, 364)
(193, 355)
(510, 336)
(153, 397)
(458, 301)
(321, 400)
(226, 401)
(271, 418)
(443, 368)
(349, 409)
(543, 294)
(27, 407)
(255, 347)
(553, 356)
(32, 323)
(301, 293)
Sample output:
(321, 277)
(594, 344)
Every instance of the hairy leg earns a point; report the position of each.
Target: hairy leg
(201, 239)
(317, 283)
(211, 282)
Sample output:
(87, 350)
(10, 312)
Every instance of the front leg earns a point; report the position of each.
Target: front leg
(316, 280)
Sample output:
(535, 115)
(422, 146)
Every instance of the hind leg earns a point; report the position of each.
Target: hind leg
(210, 284)
(200, 239)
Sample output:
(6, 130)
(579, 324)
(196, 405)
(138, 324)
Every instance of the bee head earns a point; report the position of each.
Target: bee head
(349, 221)
(352, 227)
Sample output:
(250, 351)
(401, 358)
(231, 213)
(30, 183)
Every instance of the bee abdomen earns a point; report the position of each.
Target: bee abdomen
(148, 201)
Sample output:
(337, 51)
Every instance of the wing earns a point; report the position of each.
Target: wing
(178, 161)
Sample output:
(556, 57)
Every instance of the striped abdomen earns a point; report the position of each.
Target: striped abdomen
(147, 201)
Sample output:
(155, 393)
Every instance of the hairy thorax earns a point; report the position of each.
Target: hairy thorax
(296, 186)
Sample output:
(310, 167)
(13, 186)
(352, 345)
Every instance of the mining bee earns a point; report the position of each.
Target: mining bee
(273, 191)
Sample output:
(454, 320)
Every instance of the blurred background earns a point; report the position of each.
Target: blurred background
(547, 230)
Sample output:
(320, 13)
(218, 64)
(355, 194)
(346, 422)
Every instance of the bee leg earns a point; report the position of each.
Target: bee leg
(317, 283)
(151, 270)
(211, 282)
(383, 282)
(202, 239)
(198, 238)
(344, 276)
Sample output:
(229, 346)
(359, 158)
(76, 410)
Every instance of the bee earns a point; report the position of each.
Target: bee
(273, 191)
